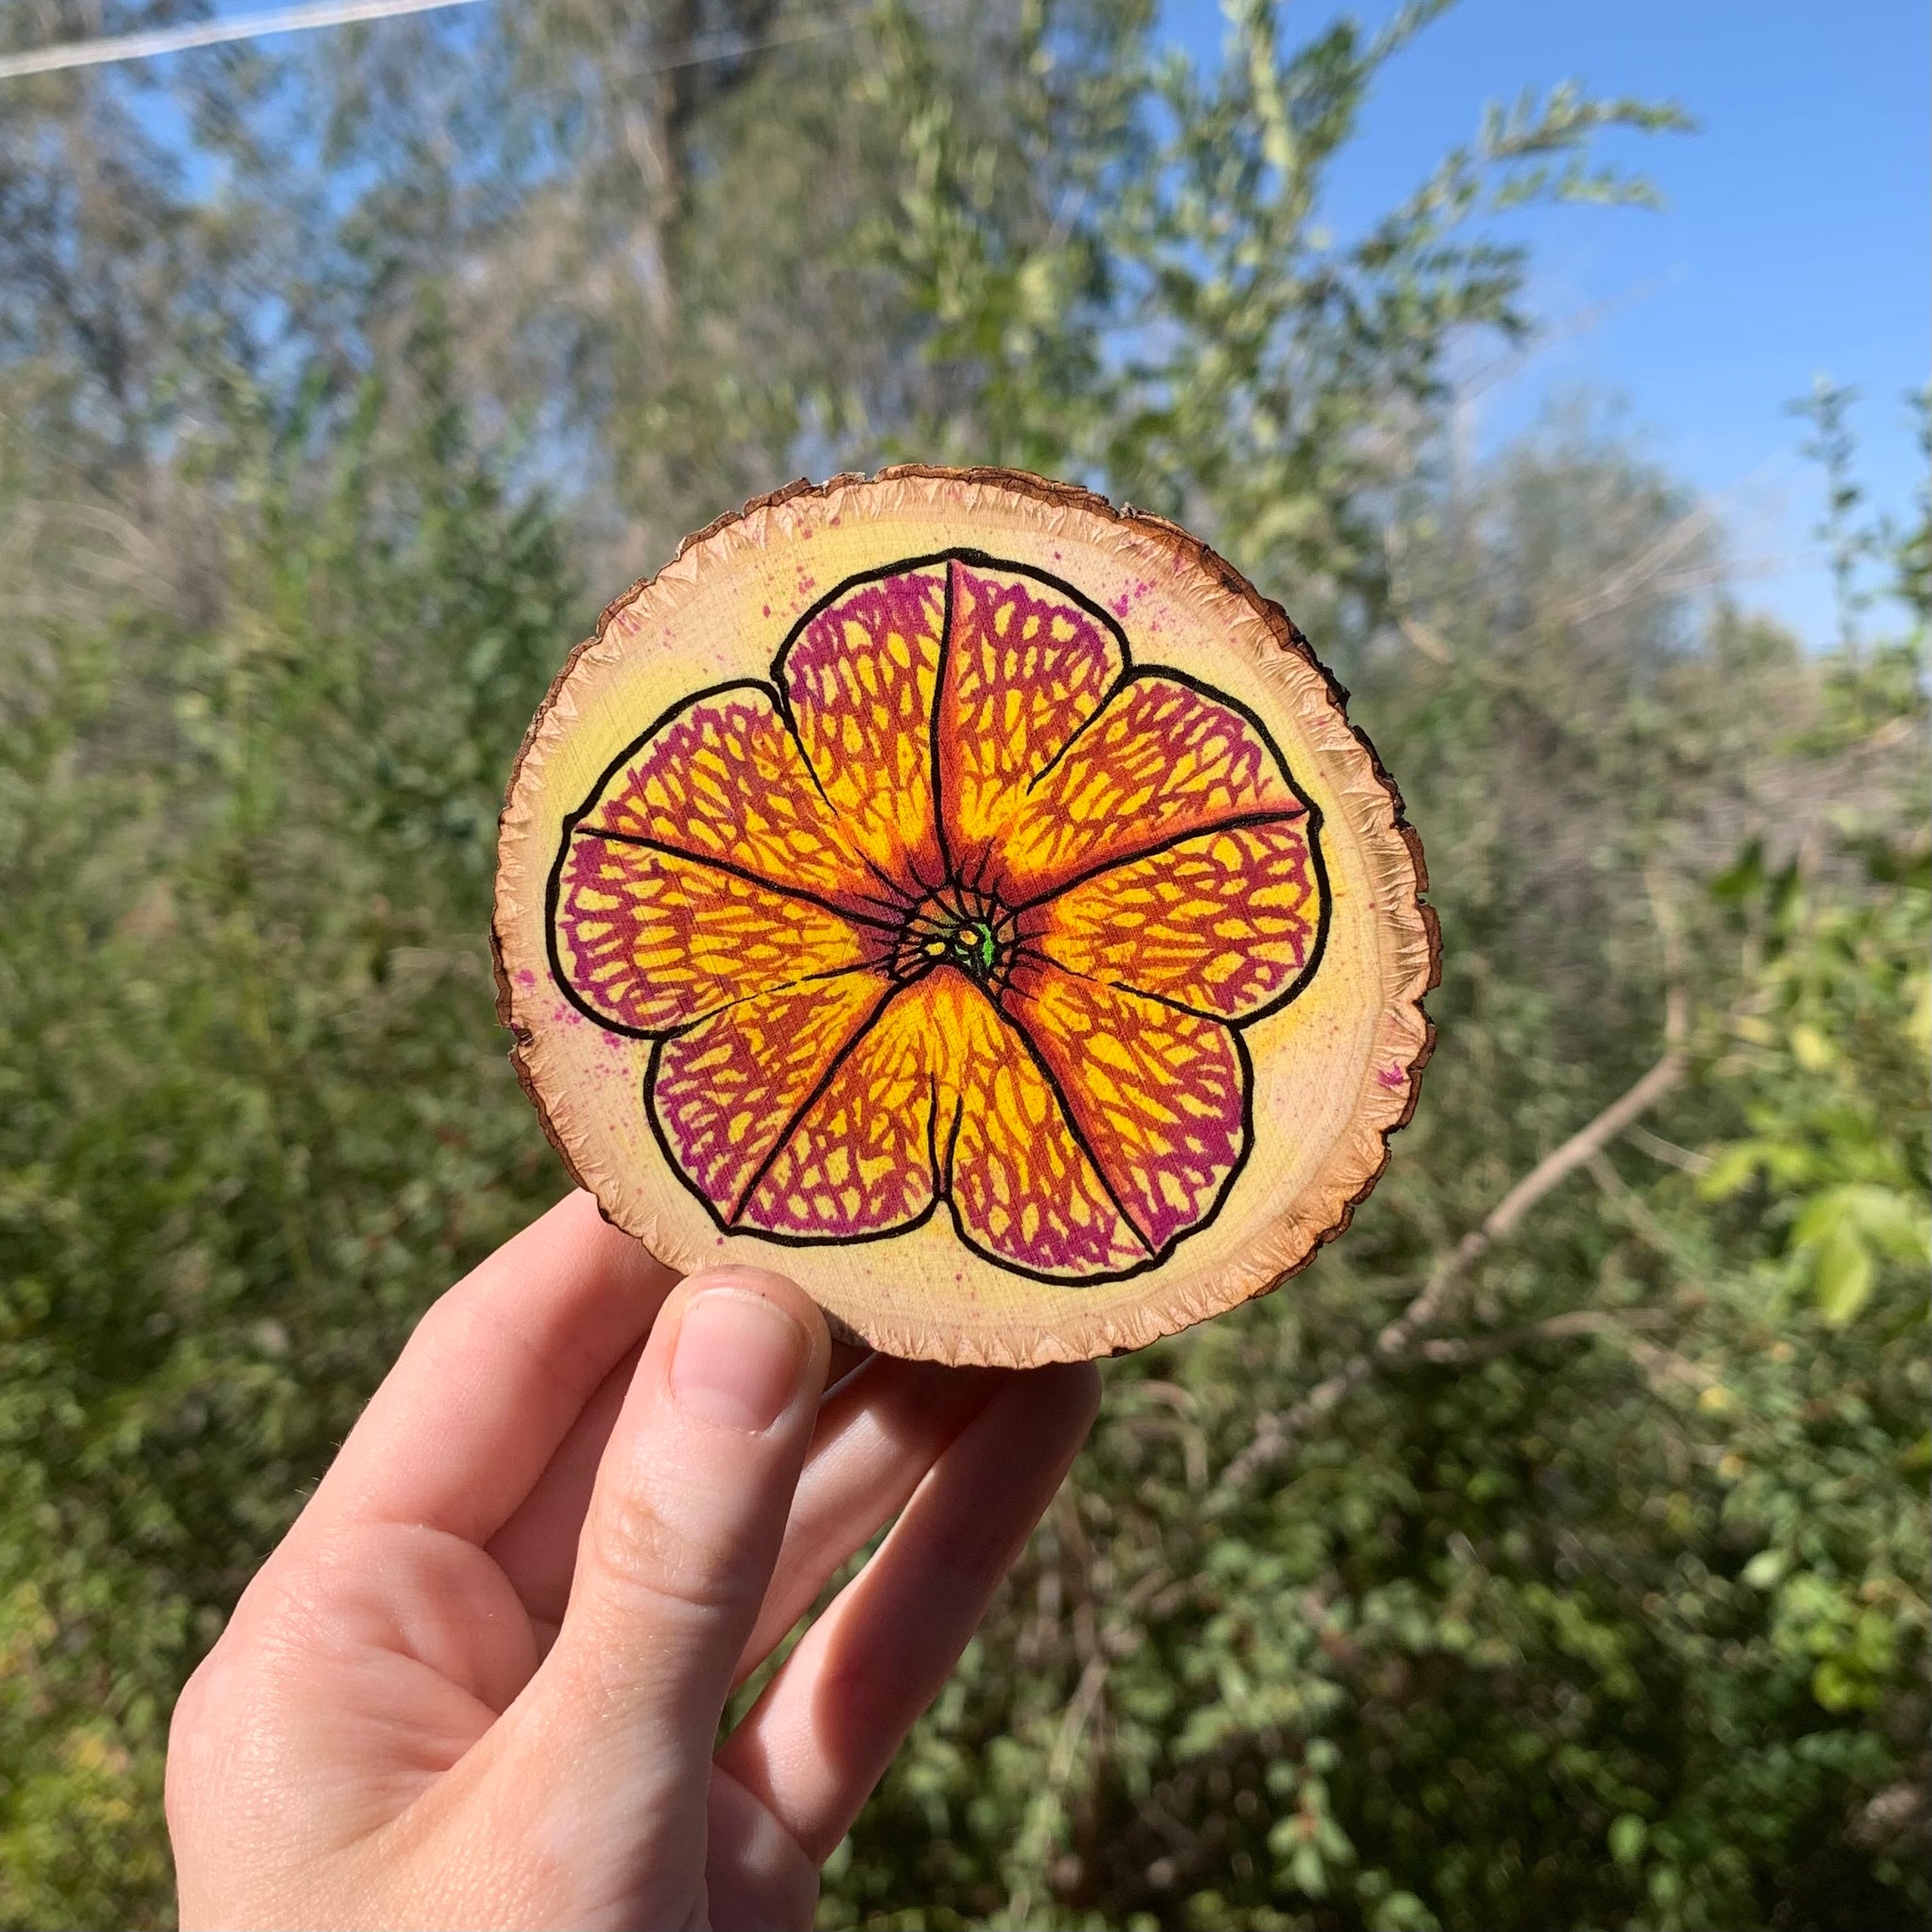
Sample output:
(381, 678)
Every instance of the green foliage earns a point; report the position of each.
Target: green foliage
(1168, 312)
(1606, 1606)
(251, 1107)
(1602, 1603)
(1828, 1051)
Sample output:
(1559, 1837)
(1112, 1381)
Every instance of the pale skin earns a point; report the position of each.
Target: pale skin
(480, 1682)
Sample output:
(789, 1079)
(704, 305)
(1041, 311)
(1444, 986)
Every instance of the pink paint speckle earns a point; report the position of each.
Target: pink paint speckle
(768, 611)
(627, 623)
(1393, 1077)
(526, 977)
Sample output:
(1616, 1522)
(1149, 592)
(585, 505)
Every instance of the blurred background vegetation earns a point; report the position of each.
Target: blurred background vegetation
(1554, 1551)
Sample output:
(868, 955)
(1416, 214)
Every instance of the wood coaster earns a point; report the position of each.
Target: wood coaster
(971, 901)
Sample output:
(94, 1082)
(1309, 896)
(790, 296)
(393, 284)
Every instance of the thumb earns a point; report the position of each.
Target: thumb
(677, 1548)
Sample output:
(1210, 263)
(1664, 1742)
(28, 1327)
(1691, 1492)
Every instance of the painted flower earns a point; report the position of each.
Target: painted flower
(961, 906)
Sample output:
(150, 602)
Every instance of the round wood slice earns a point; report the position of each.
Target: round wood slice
(971, 901)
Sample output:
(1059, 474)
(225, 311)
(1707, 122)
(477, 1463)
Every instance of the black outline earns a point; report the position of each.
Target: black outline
(935, 758)
(894, 989)
(1311, 810)
(1156, 1257)
(709, 862)
(1172, 842)
(553, 885)
(733, 1227)
(1038, 1055)
(783, 692)
(1296, 987)
(1311, 816)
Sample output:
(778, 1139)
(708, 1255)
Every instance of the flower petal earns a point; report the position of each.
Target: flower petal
(859, 1159)
(1024, 1190)
(1160, 761)
(648, 940)
(860, 678)
(1225, 923)
(725, 1094)
(942, 1082)
(1159, 1097)
(1026, 666)
(723, 779)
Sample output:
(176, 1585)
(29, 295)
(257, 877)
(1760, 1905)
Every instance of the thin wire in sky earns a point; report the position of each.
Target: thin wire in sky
(319, 13)
(209, 33)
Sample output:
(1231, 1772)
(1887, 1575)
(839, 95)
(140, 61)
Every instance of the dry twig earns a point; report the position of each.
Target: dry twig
(1668, 1151)
(1275, 1434)
(1457, 1349)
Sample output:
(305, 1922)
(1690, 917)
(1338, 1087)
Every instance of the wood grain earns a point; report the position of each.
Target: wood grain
(972, 900)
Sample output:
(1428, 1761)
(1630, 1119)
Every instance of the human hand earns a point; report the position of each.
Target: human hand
(480, 1681)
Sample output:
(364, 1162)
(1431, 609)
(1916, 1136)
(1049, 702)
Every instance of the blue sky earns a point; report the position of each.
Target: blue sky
(1795, 240)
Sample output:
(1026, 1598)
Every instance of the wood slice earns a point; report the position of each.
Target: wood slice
(971, 901)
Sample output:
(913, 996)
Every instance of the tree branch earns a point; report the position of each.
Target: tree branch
(1275, 1434)
(1456, 1350)
(1668, 1151)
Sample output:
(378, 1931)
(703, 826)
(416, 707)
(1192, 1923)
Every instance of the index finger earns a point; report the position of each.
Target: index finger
(495, 1375)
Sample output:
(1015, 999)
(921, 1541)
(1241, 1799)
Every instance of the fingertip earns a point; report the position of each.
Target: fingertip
(747, 1346)
(1087, 1385)
(763, 1282)
(1070, 1390)
(580, 1202)
(582, 1216)
(767, 1286)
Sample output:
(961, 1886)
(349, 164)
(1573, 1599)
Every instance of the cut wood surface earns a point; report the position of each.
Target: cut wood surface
(972, 901)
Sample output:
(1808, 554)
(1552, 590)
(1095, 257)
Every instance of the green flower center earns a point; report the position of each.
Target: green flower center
(960, 929)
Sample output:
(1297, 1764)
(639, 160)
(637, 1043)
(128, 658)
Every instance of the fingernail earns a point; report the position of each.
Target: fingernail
(738, 1359)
